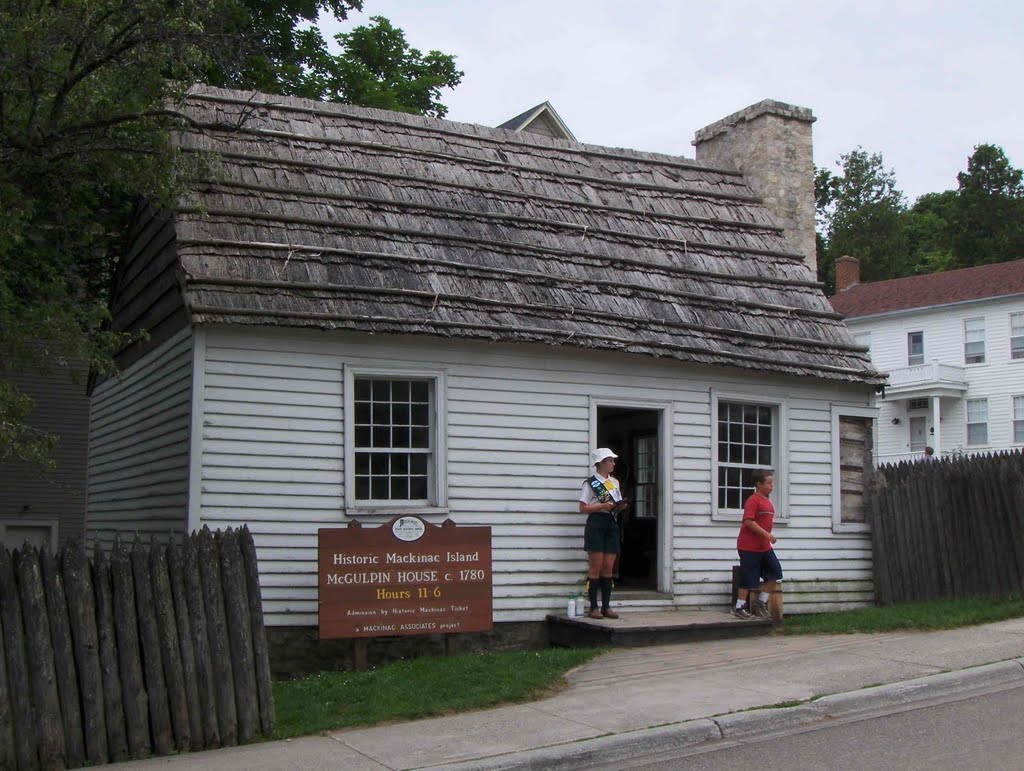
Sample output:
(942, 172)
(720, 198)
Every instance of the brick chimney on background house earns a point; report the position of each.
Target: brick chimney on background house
(770, 142)
(847, 272)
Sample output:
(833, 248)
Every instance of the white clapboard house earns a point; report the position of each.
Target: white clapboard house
(952, 344)
(364, 313)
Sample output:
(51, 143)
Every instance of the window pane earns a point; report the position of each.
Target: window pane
(977, 433)
(417, 488)
(420, 415)
(745, 436)
(420, 438)
(362, 488)
(399, 488)
(362, 463)
(400, 414)
(1017, 335)
(977, 410)
(362, 412)
(974, 341)
(391, 417)
(400, 437)
(915, 347)
(418, 464)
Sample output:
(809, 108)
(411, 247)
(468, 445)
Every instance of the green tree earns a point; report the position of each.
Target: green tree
(860, 213)
(377, 68)
(85, 131)
(928, 226)
(989, 212)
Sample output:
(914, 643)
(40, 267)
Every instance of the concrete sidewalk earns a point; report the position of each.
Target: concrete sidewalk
(685, 693)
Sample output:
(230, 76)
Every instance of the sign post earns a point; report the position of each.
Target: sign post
(406, 577)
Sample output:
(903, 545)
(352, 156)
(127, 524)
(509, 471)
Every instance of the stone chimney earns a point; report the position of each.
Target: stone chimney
(847, 272)
(770, 142)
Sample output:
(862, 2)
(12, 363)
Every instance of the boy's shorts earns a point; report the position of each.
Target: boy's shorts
(601, 533)
(756, 566)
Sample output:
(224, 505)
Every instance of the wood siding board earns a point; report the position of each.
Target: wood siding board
(152, 439)
(547, 527)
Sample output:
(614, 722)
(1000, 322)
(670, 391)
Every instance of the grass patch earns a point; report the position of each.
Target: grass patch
(418, 688)
(935, 614)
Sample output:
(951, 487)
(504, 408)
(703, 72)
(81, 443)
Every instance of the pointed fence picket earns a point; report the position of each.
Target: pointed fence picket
(949, 528)
(152, 648)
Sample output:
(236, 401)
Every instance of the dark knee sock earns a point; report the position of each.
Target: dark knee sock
(592, 591)
(606, 592)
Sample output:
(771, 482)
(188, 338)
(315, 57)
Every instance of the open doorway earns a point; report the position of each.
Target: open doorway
(635, 435)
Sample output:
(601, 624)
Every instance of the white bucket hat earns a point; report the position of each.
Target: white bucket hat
(600, 454)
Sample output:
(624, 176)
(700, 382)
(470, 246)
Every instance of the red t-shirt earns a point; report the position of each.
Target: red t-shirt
(759, 509)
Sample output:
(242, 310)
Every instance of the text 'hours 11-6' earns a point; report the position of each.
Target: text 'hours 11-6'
(434, 578)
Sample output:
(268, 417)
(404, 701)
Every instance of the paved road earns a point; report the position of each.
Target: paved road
(983, 731)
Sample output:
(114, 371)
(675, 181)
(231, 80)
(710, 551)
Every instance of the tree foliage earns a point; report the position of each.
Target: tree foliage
(988, 222)
(860, 211)
(85, 132)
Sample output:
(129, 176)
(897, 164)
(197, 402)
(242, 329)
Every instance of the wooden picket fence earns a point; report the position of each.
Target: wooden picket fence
(152, 649)
(949, 528)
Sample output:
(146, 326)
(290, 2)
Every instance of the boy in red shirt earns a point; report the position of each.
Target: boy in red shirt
(758, 564)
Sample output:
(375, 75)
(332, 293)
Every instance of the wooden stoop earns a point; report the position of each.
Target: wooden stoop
(650, 619)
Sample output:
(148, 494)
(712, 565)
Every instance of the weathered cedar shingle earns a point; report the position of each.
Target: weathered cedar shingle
(338, 217)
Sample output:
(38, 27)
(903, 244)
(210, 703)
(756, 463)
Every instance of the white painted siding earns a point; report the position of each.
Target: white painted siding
(997, 380)
(139, 447)
(518, 417)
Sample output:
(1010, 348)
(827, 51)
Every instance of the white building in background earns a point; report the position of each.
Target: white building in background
(953, 345)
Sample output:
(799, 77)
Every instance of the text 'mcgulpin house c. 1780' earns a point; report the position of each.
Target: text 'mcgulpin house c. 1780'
(365, 313)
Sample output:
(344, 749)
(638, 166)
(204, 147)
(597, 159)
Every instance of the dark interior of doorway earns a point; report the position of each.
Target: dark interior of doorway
(632, 434)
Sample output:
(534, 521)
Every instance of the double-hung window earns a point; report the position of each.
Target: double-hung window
(394, 453)
(1018, 419)
(915, 348)
(977, 421)
(974, 341)
(1017, 335)
(747, 437)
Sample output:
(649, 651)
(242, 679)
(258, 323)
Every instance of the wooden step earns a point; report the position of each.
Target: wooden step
(643, 626)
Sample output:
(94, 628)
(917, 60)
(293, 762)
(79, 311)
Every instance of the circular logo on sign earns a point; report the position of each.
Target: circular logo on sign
(408, 528)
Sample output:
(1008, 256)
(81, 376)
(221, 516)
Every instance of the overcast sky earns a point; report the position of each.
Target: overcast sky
(921, 82)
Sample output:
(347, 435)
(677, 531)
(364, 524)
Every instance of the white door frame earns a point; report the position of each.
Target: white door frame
(665, 454)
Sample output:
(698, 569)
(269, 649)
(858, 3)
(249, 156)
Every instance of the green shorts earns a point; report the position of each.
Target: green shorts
(601, 533)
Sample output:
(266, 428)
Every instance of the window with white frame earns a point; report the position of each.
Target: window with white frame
(1018, 419)
(974, 341)
(914, 405)
(1017, 335)
(977, 421)
(394, 448)
(915, 348)
(748, 439)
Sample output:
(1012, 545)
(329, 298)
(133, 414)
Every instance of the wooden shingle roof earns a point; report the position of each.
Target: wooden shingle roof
(339, 217)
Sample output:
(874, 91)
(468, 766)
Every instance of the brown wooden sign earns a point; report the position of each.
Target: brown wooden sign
(404, 577)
